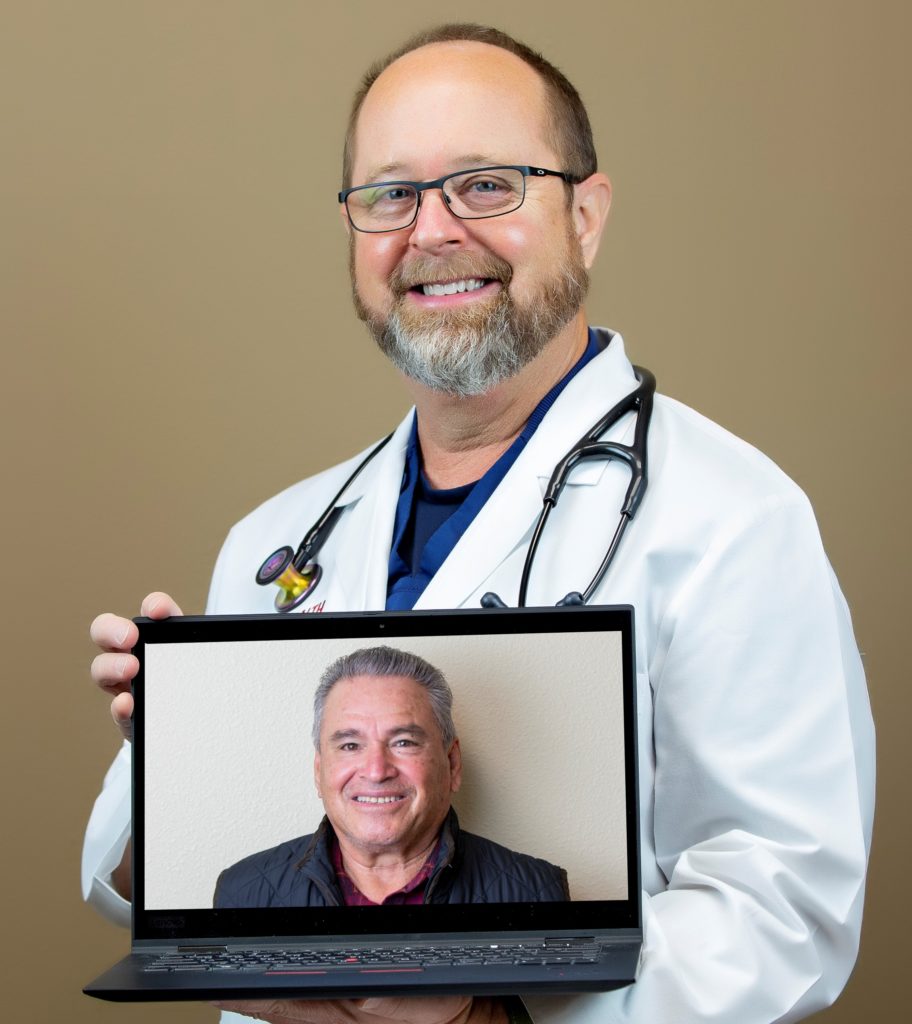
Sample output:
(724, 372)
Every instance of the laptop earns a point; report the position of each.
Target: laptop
(223, 769)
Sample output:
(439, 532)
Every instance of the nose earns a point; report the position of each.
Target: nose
(377, 765)
(435, 228)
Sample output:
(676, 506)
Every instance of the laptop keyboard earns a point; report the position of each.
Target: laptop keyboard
(380, 959)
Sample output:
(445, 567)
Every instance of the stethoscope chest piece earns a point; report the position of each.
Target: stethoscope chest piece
(294, 584)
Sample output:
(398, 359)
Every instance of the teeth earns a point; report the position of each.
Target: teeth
(452, 287)
(377, 799)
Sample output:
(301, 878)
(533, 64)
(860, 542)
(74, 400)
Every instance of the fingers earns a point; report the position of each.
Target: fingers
(122, 713)
(419, 1009)
(394, 1010)
(158, 605)
(115, 668)
(114, 672)
(113, 632)
(438, 1010)
(116, 636)
(285, 1011)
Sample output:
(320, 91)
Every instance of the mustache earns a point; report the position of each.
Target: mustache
(428, 269)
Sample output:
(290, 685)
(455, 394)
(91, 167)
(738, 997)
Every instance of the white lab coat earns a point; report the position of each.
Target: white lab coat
(755, 736)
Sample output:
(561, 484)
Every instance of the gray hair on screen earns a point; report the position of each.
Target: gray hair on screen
(384, 663)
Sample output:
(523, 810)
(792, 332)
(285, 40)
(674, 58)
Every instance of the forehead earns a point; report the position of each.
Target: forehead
(376, 697)
(446, 102)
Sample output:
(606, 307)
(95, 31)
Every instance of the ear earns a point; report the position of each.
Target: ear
(591, 203)
(345, 221)
(317, 774)
(455, 759)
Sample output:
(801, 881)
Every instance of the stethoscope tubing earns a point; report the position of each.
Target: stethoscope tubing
(587, 447)
(314, 539)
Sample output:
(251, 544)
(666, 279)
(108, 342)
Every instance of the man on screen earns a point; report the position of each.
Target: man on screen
(386, 765)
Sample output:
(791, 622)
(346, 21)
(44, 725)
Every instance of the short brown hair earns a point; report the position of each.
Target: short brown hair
(570, 132)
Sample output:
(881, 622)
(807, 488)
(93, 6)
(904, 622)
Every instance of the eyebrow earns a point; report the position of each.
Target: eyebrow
(353, 734)
(462, 163)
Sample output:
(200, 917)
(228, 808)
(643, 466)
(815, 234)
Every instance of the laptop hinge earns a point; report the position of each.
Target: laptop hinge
(202, 949)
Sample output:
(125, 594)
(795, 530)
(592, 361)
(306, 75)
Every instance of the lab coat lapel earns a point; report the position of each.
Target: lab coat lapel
(507, 518)
(361, 550)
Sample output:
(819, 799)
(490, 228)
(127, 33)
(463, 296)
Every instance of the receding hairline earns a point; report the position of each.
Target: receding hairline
(553, 96)
(375, 677)
(456, 45)
(427, 680)
(420, 52)
(365, 679)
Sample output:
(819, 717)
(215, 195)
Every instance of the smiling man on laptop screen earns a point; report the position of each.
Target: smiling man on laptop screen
(386, 766)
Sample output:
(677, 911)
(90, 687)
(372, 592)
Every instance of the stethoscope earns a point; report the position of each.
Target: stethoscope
(297, 573)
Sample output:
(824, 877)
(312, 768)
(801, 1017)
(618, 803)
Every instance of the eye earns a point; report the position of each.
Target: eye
(487, 192)
(385, 195)
(348, 747)
(485, 186)
(404, 742)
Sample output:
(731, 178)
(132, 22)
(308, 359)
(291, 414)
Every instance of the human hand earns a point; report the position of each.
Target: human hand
(388, 1010)
(113, 670)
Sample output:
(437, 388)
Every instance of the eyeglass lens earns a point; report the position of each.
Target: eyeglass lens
(471, 195)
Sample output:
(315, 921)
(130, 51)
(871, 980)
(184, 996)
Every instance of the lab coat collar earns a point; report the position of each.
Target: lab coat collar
(361, 563)
(598, 386)
(503, 523)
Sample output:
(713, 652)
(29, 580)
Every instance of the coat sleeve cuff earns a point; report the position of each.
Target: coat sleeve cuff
(106, 837)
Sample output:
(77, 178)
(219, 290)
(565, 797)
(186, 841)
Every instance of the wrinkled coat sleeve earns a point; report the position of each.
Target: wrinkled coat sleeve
(105, 839)
(763, 793)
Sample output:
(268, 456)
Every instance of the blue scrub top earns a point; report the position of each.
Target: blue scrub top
(429, 521)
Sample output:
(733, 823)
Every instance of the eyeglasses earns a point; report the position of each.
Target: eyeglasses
(469, 195)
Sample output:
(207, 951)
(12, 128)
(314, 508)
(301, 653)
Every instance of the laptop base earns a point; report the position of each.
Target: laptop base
(128, 981)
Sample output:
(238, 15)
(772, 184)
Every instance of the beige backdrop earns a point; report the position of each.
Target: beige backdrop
(178, 342)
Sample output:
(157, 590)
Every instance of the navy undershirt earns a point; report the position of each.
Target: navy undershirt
(429, 521)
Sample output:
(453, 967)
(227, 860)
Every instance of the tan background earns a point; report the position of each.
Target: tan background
(177, 340)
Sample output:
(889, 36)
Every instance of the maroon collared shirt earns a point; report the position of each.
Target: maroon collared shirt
(412, 893)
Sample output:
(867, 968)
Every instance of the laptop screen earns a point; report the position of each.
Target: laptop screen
(226, 784)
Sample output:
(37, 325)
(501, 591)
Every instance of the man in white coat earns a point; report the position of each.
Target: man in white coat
(755, 736)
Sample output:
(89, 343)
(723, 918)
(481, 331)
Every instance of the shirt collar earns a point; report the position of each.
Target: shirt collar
(352, 895)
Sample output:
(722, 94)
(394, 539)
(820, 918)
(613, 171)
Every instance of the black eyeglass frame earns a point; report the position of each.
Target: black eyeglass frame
(423, 186)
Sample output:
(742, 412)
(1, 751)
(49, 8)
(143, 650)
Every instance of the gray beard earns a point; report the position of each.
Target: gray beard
(466, 352)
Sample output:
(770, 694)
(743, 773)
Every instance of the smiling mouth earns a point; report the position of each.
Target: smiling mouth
(378, 799)
(469, 284)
